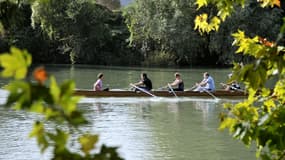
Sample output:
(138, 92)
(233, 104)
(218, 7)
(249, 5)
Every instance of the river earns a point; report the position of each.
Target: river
(142, 128)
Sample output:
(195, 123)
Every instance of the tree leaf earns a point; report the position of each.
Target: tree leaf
(88, 142)
(201, 3)
(15, 63)
(54, 90)
(60, 139)
(39, 132)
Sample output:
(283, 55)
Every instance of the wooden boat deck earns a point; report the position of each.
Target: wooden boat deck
(218, 93)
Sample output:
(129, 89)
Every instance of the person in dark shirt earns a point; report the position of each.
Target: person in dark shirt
(177, 83)
(145, 83)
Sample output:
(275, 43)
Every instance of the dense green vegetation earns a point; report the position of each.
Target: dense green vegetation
(164, 29)
(149, 32)
(66, 32)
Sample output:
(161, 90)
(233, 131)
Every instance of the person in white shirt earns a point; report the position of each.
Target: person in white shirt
(207, 83)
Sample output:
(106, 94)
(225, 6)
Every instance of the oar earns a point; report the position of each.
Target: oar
(216, 98)
(142, 90)
(193, 87)
(161, 88)
(119, 89)
(171, 89)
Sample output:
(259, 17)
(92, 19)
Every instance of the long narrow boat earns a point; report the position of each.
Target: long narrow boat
(217, 93)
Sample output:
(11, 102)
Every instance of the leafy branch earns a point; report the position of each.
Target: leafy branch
(55, 102)
(261, 117)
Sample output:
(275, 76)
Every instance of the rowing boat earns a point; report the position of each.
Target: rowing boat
(217, 93)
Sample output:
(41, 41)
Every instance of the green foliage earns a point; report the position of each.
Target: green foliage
(15, 64)
(159, 27)
(55, 102)
(86, 31)
(161, 58)
(203, 26)
(88, 142)
(167, 27)
(38, 132)
(259, 118)
(65, 31)
(253, 20)
(204, 23)
(17, 31)
(110, 4)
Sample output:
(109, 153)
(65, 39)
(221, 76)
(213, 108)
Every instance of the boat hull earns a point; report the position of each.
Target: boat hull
(218, 93)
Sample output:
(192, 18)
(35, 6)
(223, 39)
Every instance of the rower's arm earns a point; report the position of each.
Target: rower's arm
(139, 83)
(203, 83)
(95, 85)
(174, 83)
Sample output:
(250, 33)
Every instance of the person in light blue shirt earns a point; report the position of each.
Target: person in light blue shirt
(207, 83)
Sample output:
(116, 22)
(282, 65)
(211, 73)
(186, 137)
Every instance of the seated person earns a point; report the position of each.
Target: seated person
(231, 86)
(98, 85)
(145, 83)
(207, 84)
(177, 83)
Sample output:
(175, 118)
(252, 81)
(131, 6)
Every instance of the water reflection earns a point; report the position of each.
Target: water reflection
(143, 128)
(207, 109)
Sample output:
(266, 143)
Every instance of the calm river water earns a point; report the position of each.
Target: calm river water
(142, 128)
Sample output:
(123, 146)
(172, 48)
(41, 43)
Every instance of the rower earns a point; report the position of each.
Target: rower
(98, 85)
(177, 83)
(207, 84)
(145, 83)
(232, 85)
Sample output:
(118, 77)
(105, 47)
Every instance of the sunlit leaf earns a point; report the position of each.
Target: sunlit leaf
(67, 87)
(15, 63)
(54, 90)
(60, 139)
(201, 3)
(19, 93)
(88, 142)
(51, 114)
(277, 3)
(37, 107)
(228, 123)
(39, 132)
(215, 23)
(271, 3)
